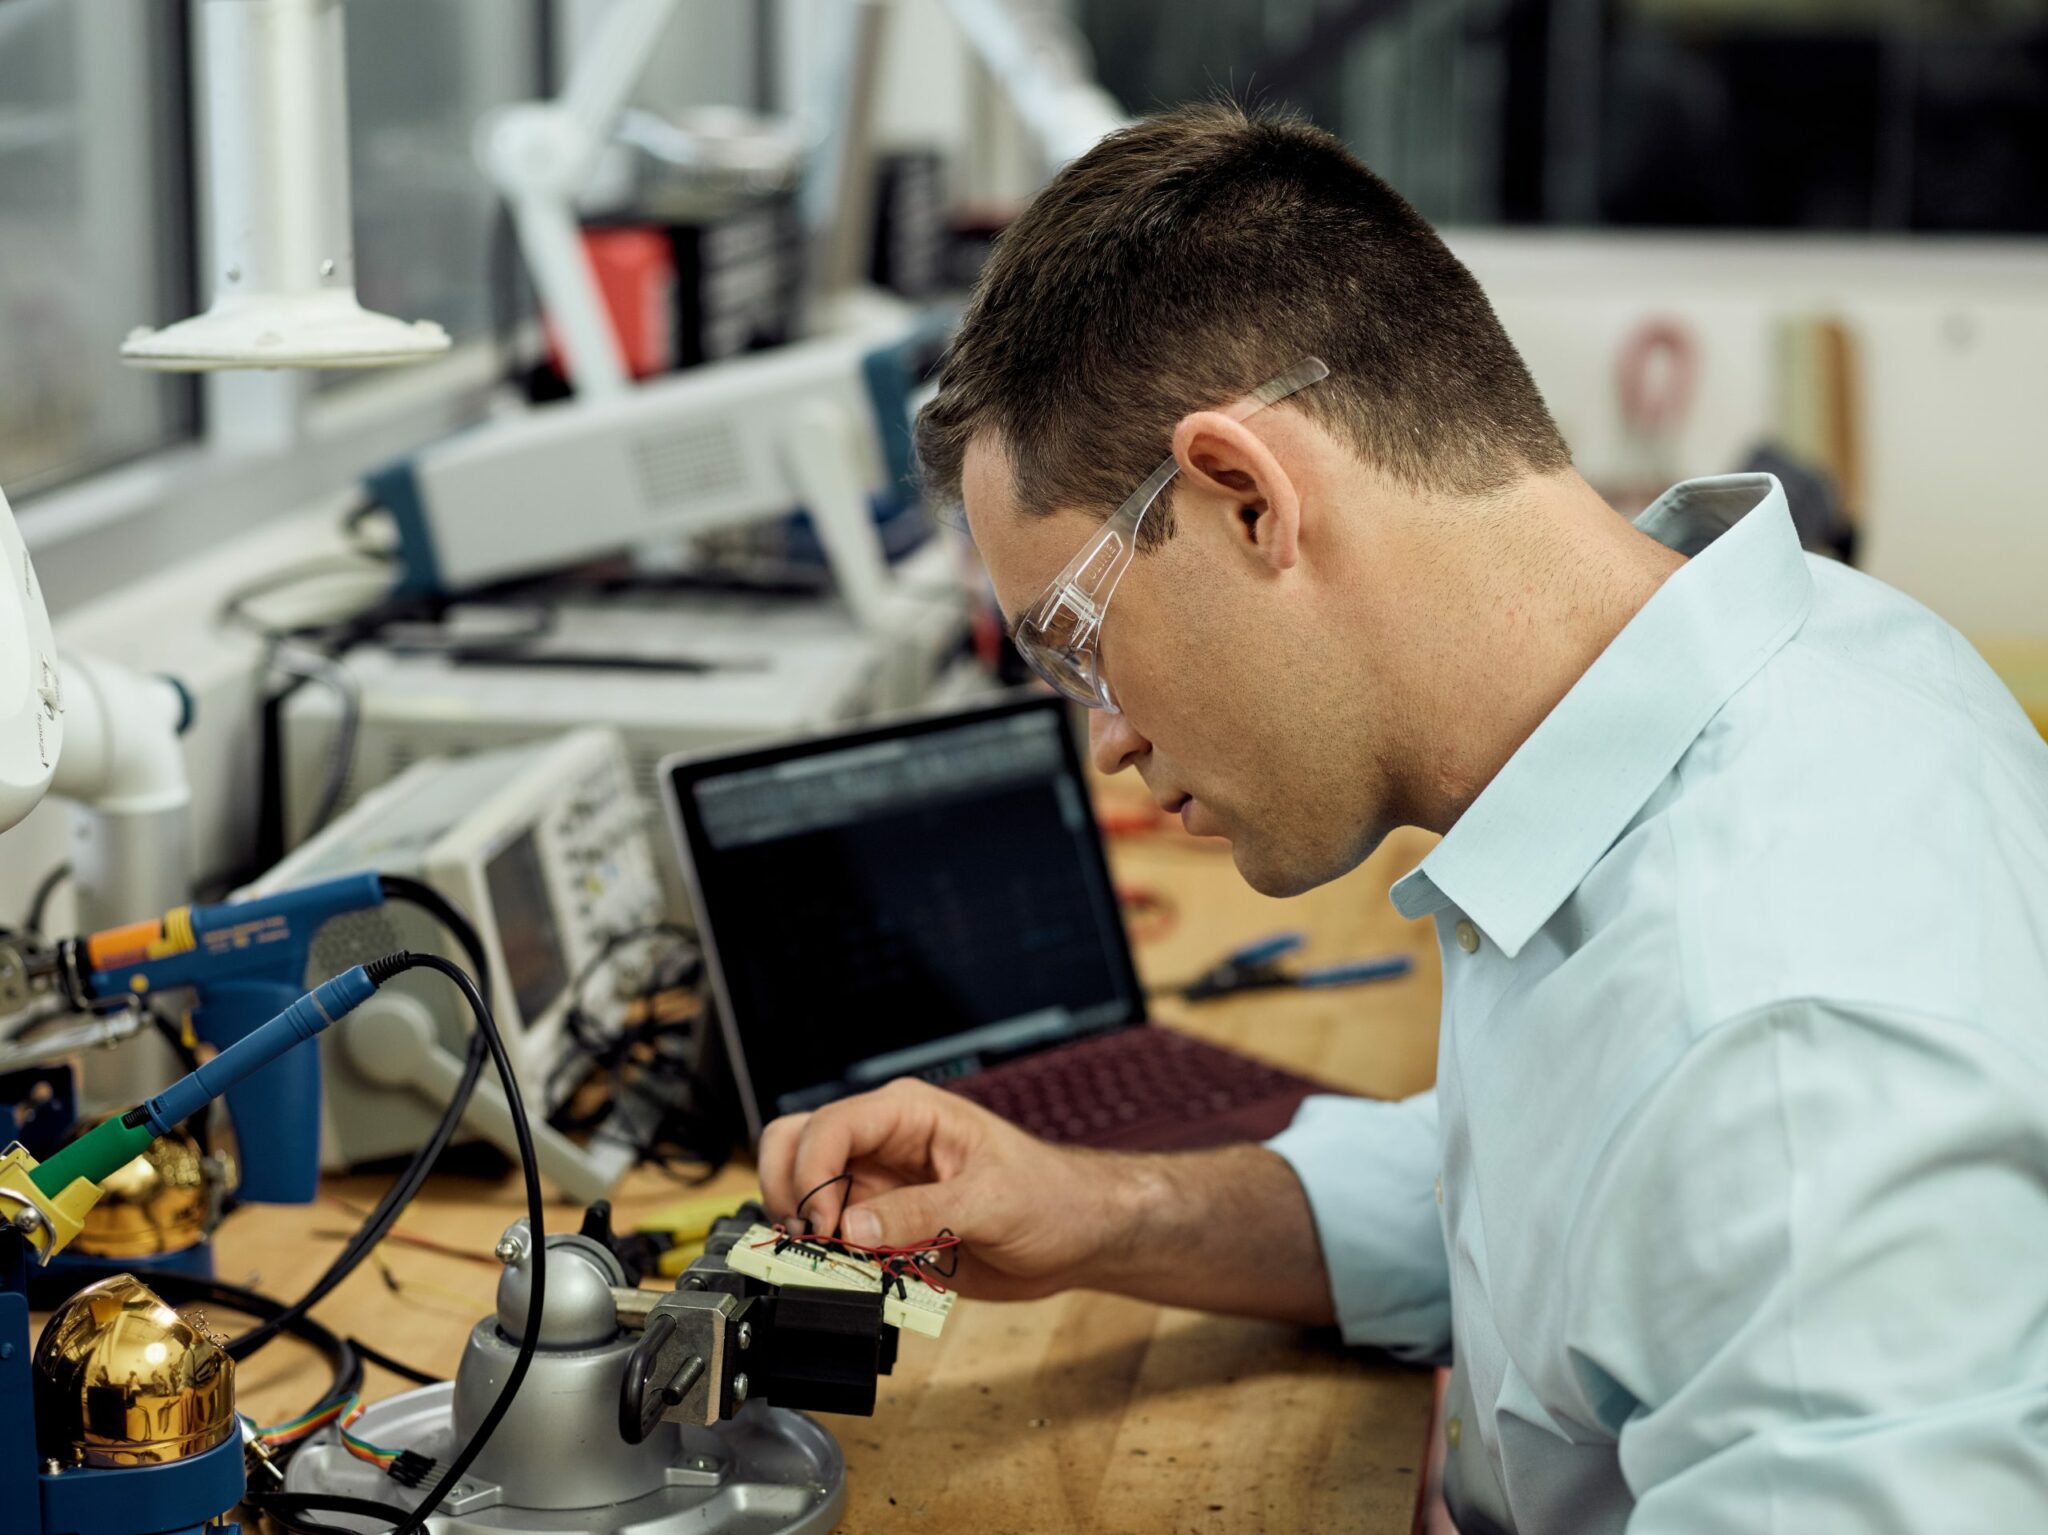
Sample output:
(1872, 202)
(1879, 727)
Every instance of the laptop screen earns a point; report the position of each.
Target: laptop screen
(925, 899)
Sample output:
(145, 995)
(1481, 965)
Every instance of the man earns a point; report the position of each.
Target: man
(1731, 1203)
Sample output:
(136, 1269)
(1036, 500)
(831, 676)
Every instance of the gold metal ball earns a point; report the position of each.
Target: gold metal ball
(123, 1380)
(157, 1203)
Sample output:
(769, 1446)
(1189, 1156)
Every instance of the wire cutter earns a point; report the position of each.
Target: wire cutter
(1256, 967)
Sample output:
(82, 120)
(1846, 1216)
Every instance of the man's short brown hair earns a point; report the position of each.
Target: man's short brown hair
(1181, 263)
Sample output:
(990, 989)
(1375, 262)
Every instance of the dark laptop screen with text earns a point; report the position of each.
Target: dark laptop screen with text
(922, 902)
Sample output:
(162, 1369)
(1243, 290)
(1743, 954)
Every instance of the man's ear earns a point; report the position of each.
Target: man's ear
(1229, 472)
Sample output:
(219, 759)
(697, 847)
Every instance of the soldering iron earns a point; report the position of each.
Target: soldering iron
(240, 963)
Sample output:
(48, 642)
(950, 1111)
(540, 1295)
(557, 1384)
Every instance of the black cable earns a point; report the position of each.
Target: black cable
(281, 1507)
(234, 608)
(298, 660)
(384, 1361)
(39, 902)
(378, 1223)
(380, 971)
(845, 1178)
(694, 1137)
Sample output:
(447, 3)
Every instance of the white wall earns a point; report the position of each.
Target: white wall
(1953, 346)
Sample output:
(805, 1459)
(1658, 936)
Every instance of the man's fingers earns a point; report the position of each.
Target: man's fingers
(776, 1159)
(905, 1216)
(893, 1125)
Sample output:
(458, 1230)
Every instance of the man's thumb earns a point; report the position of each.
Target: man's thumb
(899, 1218)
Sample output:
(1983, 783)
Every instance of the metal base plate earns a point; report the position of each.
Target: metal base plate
(768, 1471)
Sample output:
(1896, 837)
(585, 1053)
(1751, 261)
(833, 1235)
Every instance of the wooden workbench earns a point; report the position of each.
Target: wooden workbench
(1079, 1413)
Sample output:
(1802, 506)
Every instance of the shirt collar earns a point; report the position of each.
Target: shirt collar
(1523, 846)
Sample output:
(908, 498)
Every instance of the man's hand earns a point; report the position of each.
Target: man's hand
(1032, 1217)
(1225, 1230)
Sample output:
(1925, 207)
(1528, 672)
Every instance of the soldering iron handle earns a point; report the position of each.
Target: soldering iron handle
(298, 1023)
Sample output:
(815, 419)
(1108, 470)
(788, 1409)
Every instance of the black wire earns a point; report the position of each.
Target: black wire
(922, 1260)
(845, 1178)
(695, 1137)
(381, 971)
(398, 1367)
(378, 1223)
(234, 608)
(279, 1508)
(285, 656)
(39, 902)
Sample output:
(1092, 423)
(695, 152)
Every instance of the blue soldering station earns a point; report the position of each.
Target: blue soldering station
(122, 1422)
(244, 962)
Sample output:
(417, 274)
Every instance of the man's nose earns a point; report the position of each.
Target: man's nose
(1114, 741)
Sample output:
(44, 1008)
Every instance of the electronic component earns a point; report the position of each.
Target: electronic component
(821, 426)
(677, 681)
(545, 846)
(911, 1303)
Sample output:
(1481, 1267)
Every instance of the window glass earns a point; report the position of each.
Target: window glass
(420, 75)
(95, 233)
(1846, 115)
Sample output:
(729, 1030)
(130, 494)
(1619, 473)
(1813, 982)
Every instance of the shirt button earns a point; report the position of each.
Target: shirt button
(1468, 936)
(1454, 1431)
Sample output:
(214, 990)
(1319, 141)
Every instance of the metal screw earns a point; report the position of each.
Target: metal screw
(704, 1463)
(693, 1281)
(27, 1220)
(52, 1467)
(512, 1246)
(461, 1490)
(746, 1335)
(739, 1388)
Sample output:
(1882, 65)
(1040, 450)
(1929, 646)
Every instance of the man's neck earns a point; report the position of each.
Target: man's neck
(1538, 590)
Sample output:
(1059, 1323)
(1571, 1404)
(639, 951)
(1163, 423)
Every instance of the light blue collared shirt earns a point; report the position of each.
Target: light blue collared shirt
(1731, 1203)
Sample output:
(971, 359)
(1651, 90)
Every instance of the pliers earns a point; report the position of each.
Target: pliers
(1256, 967)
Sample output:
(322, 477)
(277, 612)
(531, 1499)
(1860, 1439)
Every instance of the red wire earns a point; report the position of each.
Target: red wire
(889, 1259)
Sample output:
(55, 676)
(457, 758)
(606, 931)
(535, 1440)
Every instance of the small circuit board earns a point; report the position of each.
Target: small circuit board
(909, 1302)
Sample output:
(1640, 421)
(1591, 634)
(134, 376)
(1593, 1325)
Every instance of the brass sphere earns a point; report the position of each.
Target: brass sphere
(157, 1203)
(123, 1380)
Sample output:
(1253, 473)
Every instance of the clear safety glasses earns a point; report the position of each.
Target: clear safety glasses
(1059, 634)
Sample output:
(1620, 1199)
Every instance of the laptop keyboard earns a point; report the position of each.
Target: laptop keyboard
(1119, 1086)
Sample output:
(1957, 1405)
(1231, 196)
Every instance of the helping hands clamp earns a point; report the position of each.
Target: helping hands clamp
(723, 1338)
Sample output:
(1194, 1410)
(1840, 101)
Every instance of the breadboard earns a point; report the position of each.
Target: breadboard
(919, 1308)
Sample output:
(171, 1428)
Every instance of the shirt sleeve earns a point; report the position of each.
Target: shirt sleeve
(1807, 1285)
(1370, 1172)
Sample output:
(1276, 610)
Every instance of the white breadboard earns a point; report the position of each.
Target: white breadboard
(919, 1308)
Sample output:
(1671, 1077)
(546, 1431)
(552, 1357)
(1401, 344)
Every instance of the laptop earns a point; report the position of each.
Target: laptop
(930, 899)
